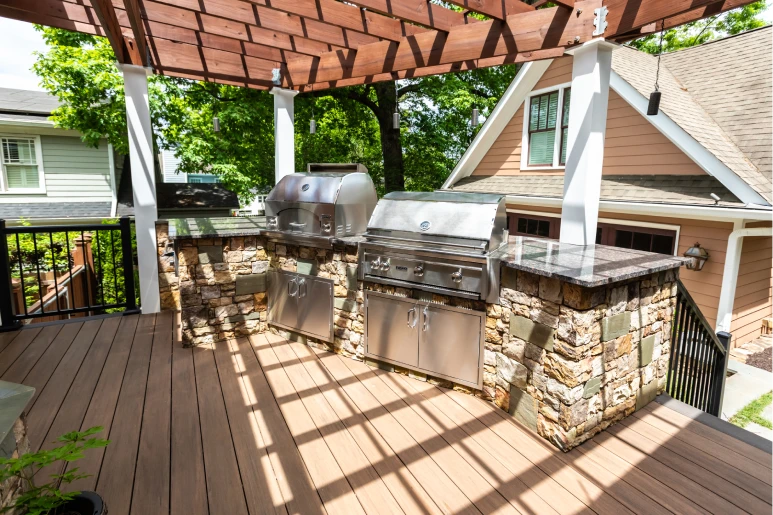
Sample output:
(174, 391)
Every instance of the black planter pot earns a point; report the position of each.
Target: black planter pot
(85, 503)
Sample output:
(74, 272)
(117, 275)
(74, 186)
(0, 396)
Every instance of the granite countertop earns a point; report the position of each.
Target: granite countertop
(589, 266)
(13, 399)
(227, 227)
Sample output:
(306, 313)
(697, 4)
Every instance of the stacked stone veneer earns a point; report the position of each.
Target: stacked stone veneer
(14, 445)
(569, 361)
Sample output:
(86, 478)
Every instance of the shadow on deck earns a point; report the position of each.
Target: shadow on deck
(260, 425)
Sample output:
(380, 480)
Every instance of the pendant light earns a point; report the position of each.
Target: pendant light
(474, 120)
(216, 124)
(396, 120)
(313, 122)
(654, 105)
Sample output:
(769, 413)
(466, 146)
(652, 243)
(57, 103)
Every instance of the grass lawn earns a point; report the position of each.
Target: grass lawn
(752, 413)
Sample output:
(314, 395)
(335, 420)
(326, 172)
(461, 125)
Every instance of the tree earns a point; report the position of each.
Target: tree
(354, 124)
(729, 23)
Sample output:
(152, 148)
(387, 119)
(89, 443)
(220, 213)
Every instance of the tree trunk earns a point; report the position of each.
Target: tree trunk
(391, 144)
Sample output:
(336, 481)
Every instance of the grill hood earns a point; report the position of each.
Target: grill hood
(470, 219)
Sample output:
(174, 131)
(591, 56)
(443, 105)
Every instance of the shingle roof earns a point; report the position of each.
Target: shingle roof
(55, 210)
(24, 101)
(732, 80)
(680, 103)
(654, 189)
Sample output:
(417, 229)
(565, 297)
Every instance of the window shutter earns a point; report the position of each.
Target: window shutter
(552, 110)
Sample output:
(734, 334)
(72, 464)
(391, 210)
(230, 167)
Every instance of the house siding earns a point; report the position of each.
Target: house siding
(633, 146)
(73, 171)
(753, 299)
(753, 296)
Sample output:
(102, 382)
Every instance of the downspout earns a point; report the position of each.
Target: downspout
(730, 273)
(113, 185)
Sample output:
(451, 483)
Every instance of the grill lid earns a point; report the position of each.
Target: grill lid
(317, 188)
(443, 214)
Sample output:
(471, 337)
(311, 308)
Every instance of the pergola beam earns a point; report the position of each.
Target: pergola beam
(526, 32)
(421, 12)
(125, 51)
(499, 9)
(138, 30)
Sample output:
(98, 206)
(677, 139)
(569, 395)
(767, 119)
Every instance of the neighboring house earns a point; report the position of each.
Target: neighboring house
(170, 174)
(712, 136)
(49, 172)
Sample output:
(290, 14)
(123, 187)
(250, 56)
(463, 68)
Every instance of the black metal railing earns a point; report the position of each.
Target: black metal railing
(57, 272)
(698, 360)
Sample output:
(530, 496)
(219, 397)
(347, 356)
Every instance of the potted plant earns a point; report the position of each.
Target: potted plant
(38, 498)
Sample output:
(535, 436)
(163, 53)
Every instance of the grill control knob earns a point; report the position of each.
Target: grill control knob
(385, 265)
(326, 227)
(375, 264)
(418, 270)
(457, 276)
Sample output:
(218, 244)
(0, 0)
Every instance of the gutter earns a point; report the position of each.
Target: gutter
(730, 273)
(762, 213)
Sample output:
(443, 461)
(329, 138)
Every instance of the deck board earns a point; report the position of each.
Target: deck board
(262, 425)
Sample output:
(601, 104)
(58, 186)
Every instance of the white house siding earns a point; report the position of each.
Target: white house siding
(73, 172)
(169, 166)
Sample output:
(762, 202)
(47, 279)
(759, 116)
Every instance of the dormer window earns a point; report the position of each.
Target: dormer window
(546, 129)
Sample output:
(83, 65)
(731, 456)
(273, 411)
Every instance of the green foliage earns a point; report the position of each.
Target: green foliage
(731, 22)
(752, 412)
(43, 498)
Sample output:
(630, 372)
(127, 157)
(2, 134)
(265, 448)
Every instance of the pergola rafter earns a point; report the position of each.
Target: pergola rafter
(331, 43)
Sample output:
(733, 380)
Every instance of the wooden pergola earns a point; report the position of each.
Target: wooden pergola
(300, 44)
(290, 46)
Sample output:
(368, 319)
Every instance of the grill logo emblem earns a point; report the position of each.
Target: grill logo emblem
(425, 225)
(305, 187)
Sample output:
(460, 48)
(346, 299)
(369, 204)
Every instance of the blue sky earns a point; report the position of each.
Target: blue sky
(18, 41)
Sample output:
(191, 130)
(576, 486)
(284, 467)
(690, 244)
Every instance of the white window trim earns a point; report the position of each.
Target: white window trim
(611, 221)
(38, 158)
(525, 134)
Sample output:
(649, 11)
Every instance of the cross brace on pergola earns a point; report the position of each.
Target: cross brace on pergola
(298, 44)
(290, 46)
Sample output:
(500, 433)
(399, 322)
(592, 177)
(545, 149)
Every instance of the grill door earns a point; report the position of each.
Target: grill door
(450, 343)
(282, 299)
(315, 306)
(392, 328)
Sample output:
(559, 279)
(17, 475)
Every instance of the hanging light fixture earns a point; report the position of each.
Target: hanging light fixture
(474, 120)
(396, 120)
(216, 124)
(654, 105)
(698, 257)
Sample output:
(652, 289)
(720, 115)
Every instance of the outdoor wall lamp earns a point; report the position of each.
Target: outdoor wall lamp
(698, 257)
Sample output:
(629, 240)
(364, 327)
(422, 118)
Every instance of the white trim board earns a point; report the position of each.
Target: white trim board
(516, 93)
(521, 88)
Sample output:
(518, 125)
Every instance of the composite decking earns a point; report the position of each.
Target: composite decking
(262, 425)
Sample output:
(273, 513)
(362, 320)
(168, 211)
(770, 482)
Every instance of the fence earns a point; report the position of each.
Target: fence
(58, 272)
(698, 361)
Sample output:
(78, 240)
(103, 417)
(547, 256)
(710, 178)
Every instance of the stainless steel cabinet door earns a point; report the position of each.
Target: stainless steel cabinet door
(449, 343)
(282, 299)
(392, 328)
(315, 307)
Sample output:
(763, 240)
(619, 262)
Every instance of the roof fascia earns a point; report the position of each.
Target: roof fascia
(503, 112)
(687, 144)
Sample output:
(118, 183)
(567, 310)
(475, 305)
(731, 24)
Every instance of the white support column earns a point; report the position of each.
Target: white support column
(585, 143)
(143, 182)
(284, 132)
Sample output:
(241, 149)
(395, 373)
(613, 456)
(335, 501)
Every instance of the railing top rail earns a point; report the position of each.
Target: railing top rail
(22, 229)
(699, 315)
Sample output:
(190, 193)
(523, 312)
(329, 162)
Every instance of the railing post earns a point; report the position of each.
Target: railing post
(128, 263)
(721, 372)
(7, 320)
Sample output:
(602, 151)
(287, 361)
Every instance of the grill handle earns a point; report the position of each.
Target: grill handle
(481, 247)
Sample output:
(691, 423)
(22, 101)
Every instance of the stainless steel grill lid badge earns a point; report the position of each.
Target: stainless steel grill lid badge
(305, 187)
(425, 225)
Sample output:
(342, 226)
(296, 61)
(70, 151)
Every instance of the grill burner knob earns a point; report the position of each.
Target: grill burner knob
(385, 265)
(375, 264)
(418, 270)
(457, 276)
(326, 227)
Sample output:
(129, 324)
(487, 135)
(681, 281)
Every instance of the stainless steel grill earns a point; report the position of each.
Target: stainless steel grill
(443, 242)
(328, 201)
